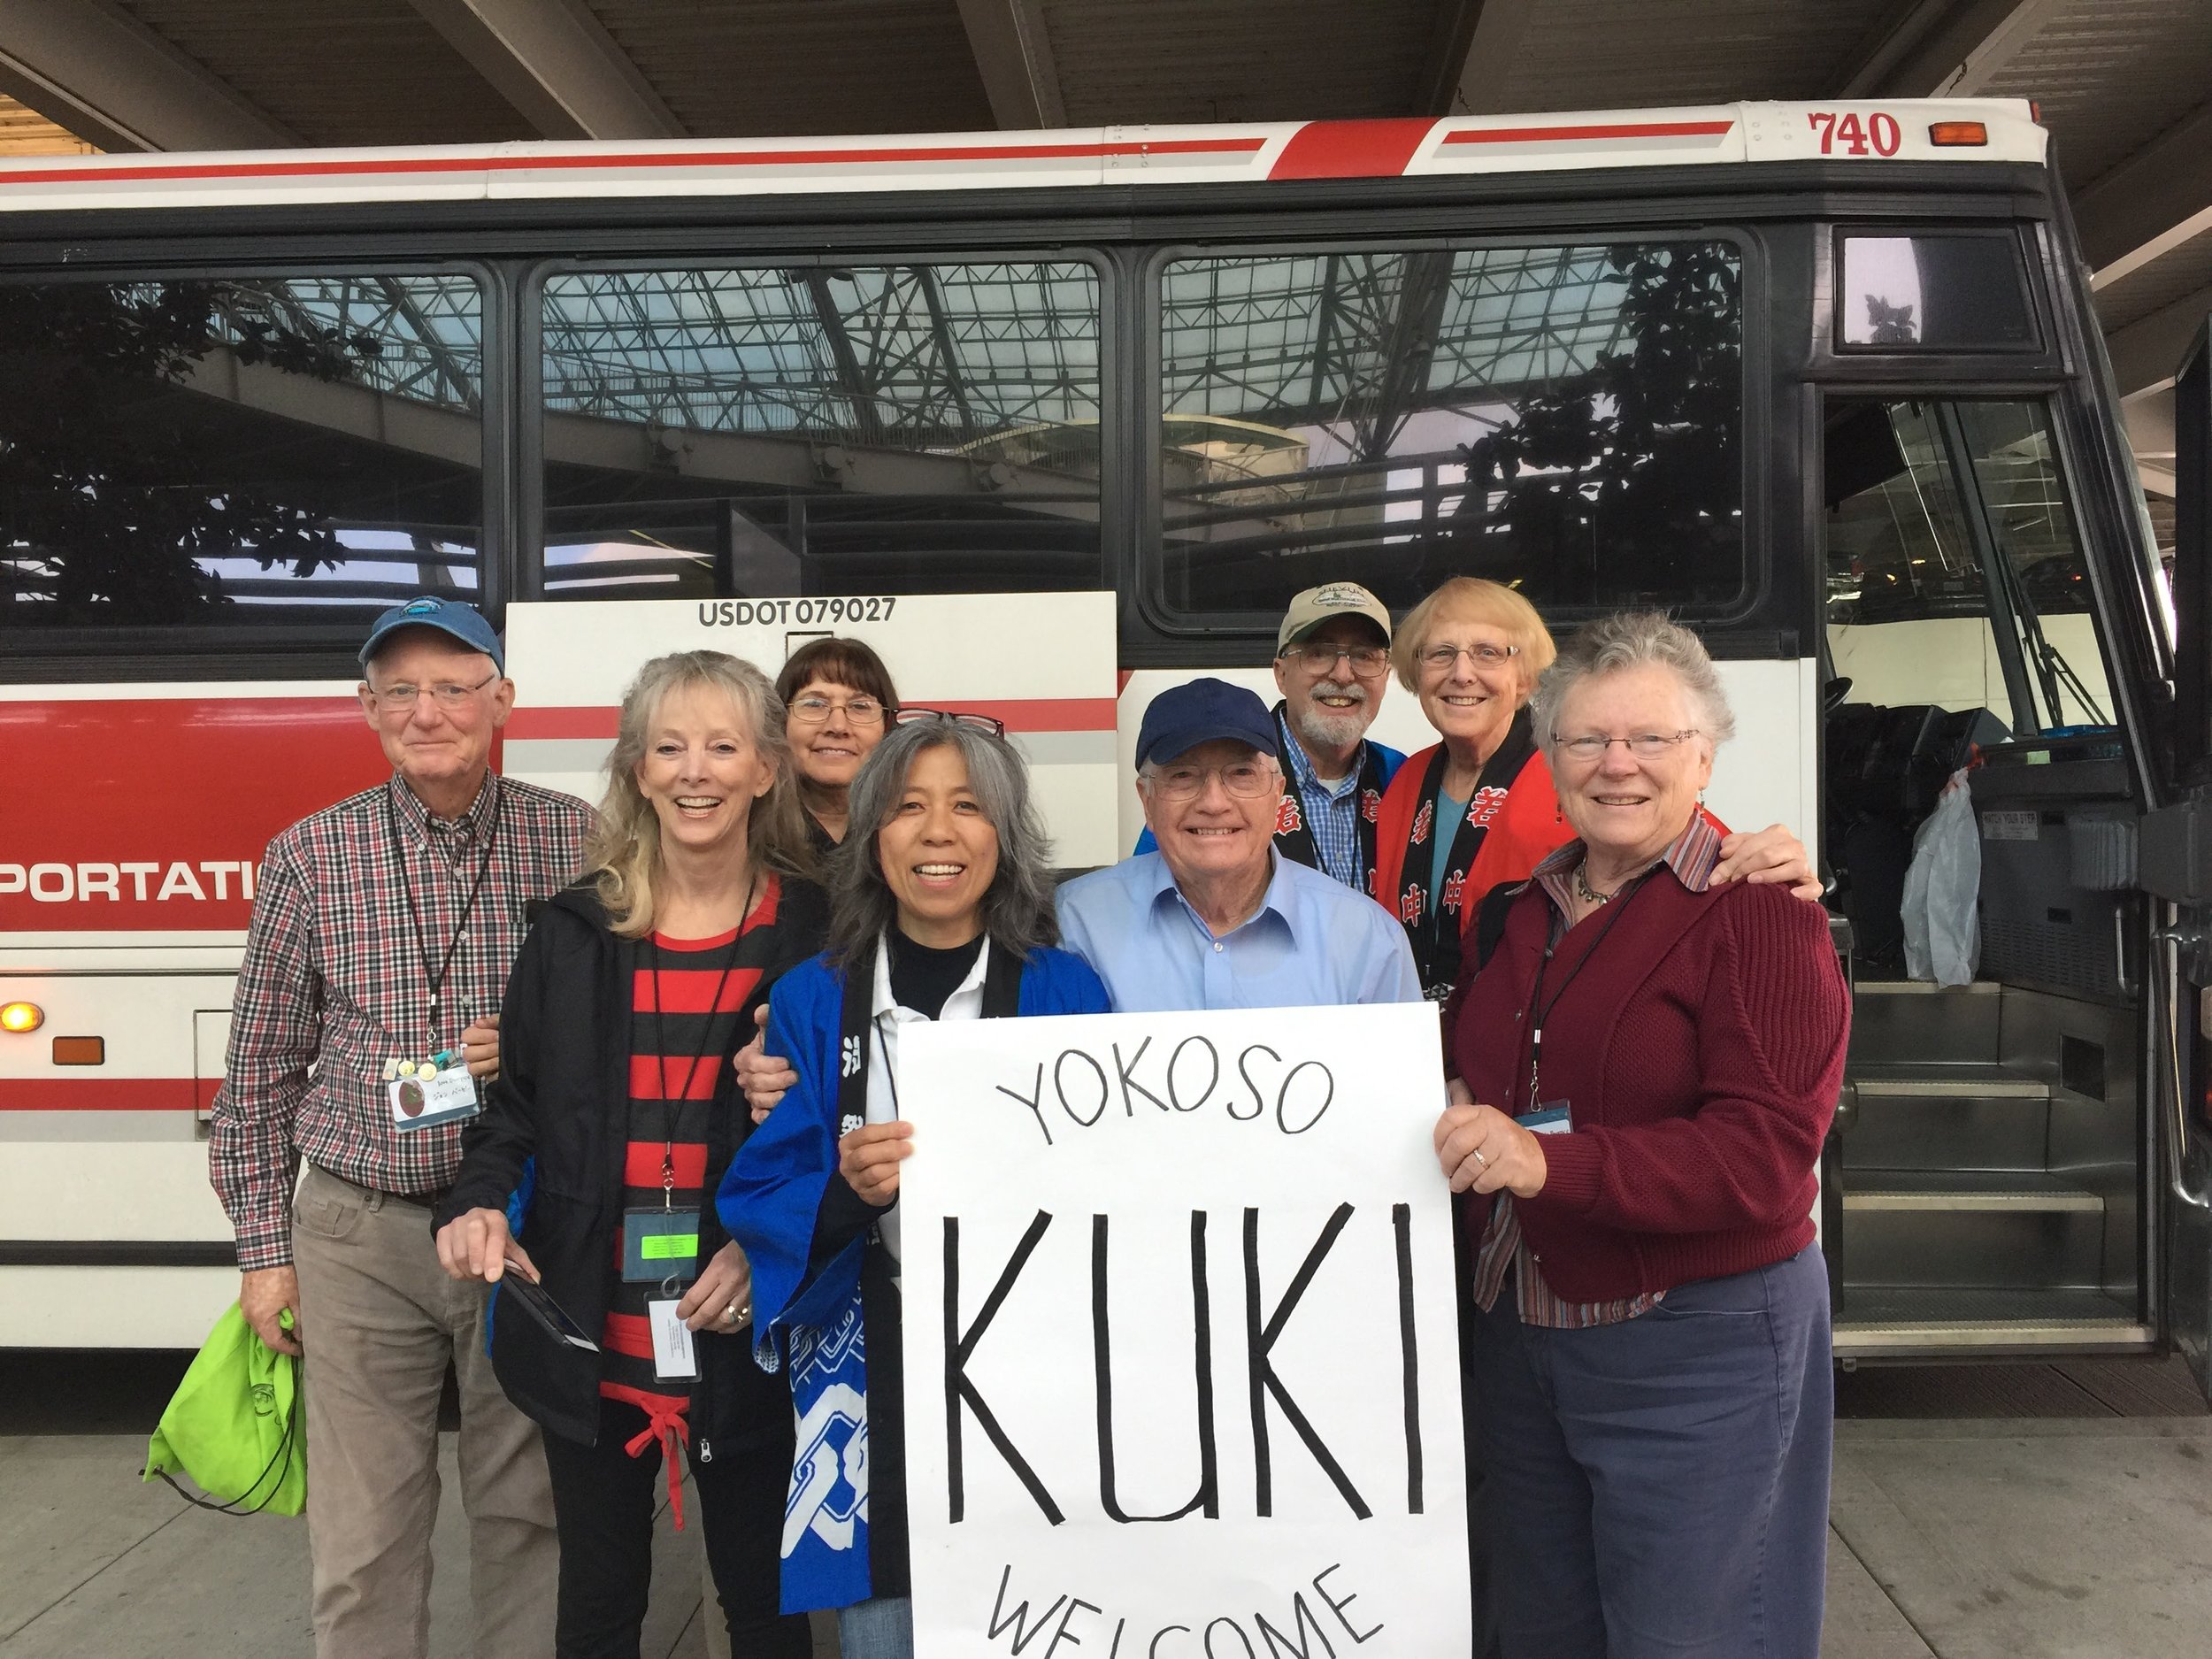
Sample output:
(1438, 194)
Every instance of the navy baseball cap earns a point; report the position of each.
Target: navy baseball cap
(464, 621)
(1183, 717)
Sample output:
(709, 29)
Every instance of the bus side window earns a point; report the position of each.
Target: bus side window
(256, 451)
(1564, 419)
(845, 430)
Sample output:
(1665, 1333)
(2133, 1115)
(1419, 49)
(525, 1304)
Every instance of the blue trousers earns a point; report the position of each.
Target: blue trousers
(1660, 1487)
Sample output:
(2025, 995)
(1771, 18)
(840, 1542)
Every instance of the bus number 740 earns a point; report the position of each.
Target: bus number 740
(1847, 135)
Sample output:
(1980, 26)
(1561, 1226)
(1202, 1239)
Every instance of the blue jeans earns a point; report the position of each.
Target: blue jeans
(1660, 1486)
(881, 1627)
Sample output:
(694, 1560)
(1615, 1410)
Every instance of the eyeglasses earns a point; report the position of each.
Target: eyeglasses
(1247, 779)
(980, 722)
(452, 698)
(1368, 660)
(1442, 658)
(1643, 745)
(816, 710)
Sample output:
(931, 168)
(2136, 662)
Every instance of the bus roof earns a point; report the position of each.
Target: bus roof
(1899, 130)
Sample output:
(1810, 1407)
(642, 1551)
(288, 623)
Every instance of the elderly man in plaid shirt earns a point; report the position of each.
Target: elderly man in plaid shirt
(381, 926)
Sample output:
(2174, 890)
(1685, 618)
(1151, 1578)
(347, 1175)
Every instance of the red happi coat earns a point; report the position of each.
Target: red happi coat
(1525, 828)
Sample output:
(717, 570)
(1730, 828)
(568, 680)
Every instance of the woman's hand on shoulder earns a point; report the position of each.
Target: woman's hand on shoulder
(1481, 1149)
(1757, 858)
(869, 1157)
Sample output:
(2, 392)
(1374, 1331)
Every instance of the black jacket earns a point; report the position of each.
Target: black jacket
(561, 1102)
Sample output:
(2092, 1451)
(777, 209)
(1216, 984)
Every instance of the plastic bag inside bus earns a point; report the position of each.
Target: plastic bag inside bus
(1942, 890)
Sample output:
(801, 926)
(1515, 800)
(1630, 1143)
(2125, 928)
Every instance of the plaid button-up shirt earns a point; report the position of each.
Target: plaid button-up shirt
(333, 985)
(1692, 857)
(1331, 810)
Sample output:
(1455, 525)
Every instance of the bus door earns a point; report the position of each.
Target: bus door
(2177, 855)
(1988, 1189)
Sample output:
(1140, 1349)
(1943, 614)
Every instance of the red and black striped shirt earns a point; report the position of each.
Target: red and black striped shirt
(677, 1057)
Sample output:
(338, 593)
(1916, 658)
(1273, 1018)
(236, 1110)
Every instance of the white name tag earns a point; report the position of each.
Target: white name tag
(673, 1359)
(447, 1098)
(1551, 1120)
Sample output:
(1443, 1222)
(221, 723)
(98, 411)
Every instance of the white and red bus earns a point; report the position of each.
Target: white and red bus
(1054, 420)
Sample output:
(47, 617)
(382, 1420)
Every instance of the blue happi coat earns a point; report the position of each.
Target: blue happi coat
(811, 1326)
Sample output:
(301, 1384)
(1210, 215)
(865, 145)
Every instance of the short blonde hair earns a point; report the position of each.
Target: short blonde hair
(623, 852)
(1473, 599)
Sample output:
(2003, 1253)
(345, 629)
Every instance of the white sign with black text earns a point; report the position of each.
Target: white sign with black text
(1182, 1368)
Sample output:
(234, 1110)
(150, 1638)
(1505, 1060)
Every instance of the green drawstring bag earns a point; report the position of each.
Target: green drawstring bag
(237, 1425)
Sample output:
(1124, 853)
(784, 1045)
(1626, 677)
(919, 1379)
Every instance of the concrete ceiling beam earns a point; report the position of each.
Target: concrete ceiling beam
(2146, 353)
(90, 67)
(1473, 55)
(1942, 47)
(2158, 198)
(555, 62)
(1013, 55)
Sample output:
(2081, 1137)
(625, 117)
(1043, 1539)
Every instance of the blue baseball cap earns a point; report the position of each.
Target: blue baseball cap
(1183, 717)
(464, 621)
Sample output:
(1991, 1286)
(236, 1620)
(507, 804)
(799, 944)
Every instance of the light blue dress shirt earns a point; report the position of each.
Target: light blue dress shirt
(1314, 942)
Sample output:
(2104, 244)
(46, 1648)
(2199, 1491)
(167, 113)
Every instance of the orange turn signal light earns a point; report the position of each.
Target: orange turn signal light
(21, 1017)
(1958, 132)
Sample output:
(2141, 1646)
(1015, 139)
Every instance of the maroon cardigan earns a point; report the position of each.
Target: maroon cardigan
(1702, 1050)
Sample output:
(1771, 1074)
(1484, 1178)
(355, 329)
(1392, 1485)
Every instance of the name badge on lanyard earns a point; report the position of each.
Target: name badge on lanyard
(659, 1244)
(1550, 1118)
(432, 1097)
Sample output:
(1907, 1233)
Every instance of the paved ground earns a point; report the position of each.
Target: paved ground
(1991, 1512)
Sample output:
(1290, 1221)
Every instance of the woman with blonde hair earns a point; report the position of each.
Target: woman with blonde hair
(606, 1133)
(1478, 810)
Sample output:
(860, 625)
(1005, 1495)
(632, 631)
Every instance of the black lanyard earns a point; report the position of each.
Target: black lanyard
(437, 978)
(1539, 1009)
(706, 1042)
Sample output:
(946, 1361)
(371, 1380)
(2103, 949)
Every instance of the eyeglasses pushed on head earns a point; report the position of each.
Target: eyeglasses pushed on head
(979, 722)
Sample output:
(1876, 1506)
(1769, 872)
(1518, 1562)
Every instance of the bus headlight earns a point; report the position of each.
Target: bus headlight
(22, 1017)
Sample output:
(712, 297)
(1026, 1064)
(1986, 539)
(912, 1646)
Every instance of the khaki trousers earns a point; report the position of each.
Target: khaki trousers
(380, 1321)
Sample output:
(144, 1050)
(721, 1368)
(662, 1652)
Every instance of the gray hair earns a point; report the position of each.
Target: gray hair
(1017, 910)
(1625, 640)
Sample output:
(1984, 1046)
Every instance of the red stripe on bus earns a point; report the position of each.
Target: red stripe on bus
(413, 166)
(1020, 714)
(99, 1093)
(1351, 150)
(1611, 129)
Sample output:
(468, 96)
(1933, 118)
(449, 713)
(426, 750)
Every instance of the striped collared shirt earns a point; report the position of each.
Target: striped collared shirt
(1692, 857)
(333, 985)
